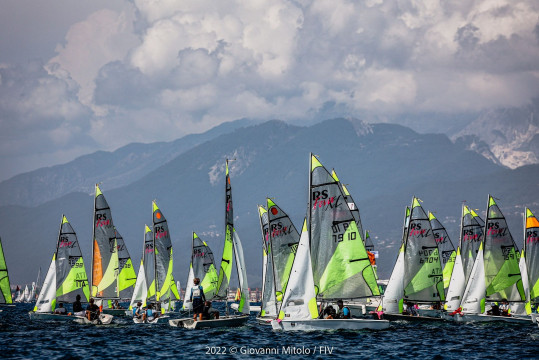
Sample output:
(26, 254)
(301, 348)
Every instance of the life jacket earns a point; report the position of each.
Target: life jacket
(196, 292)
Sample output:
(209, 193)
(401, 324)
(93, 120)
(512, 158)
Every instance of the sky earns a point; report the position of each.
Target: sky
(81, 76)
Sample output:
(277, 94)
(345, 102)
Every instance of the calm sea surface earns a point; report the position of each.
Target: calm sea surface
(21, 338)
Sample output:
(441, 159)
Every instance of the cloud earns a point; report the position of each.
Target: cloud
(156, 70)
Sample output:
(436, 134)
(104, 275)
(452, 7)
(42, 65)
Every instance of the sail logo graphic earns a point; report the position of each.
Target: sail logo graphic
(148, 247)
(494, 230)
(198, 253)
(160, 232)
(65, 242)
(470, 235)
(280, 230)
(322, 200)
(121, 247)
(294, 248)
(532, 237)
(417, 231)
(439, 239)
(101, 220)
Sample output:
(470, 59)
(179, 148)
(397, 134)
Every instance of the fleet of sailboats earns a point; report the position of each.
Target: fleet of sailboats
(331, 259)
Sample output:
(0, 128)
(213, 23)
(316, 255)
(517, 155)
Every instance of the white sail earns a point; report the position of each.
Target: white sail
(525, 284)
(473, 300)
(392, 302)
(32, 296)
(141, 288)
(457, 285)
(47, 295)
(244, 306)
(299, 300)
(26, 295)
(187, 304)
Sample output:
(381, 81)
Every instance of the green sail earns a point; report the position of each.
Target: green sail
(127, 277)
(71, 278)
(502, 273)
(226, 260)
(5, 288)
(341, 266)
(423, 278)
(204, 266)
(283, 243)
(445, 249)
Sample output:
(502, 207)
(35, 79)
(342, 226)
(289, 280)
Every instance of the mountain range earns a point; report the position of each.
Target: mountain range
(383, 165)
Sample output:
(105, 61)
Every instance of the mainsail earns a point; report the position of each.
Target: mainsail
(531, 254)
(445, 249)
(203, 267)
(232, 247)
(501, 257)
(5, 288)
(105, 250)
(145, 284)
(269, 302)
(423, 280)
(283, 243)
(66, 277)
(163, 256)
(471, 236)
(341, 265)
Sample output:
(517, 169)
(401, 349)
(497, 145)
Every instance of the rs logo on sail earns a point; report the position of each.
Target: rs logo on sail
(101, 220)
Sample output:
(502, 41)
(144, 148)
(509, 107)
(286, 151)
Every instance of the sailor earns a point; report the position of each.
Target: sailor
(344, 311)
(209, 313)
(197, 298)
(148, 314)
(505, 309)
(61, 310)
(92, 310)
(494, 309)
(137, 311)
(77, 307)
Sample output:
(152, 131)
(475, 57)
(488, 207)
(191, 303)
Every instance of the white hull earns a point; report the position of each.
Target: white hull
(253, 309)
(116, 312)
(159, 320)
(401, 317)
(225, 321)
(104, 319)
(264, 320)
(487, 318)
(329, 324)
(535, 318)
(49, 316)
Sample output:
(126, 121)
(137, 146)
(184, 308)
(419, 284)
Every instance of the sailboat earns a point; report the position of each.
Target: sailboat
(495, 274)
(331, 262)
(65, 279)
(155, 280)
(5, 287)
(232, 247)
(203, 267)
(530, 259)
(445, 249)
(104, 253)
(282, 243)
(417, 276)
(471, 236)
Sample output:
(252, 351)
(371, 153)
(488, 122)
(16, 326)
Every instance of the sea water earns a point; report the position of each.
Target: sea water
(22, 338)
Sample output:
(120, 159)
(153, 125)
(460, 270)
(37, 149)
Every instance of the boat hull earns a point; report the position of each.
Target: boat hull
(401, 317)
(49, 316)
(252, 308)
(464, 318)
(116, 312)
(159, 320)
(104, 319)
(535, 317)
(264, 320)
(225, 321)
(329, 324)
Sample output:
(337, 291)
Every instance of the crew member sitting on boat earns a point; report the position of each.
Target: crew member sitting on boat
(197, 298)
(77, 307)
(209, 313)
(61, 310)
(494, 309)
(505, 309)
(344, 311)
(116, 305)
(411, 309)
(92, 311)
(329, 312)
(149, 314)
(137, 311)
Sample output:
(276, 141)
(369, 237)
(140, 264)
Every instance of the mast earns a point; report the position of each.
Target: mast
(93, 246)
(156, 277)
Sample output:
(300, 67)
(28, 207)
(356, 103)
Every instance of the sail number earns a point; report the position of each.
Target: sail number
(338, 236)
